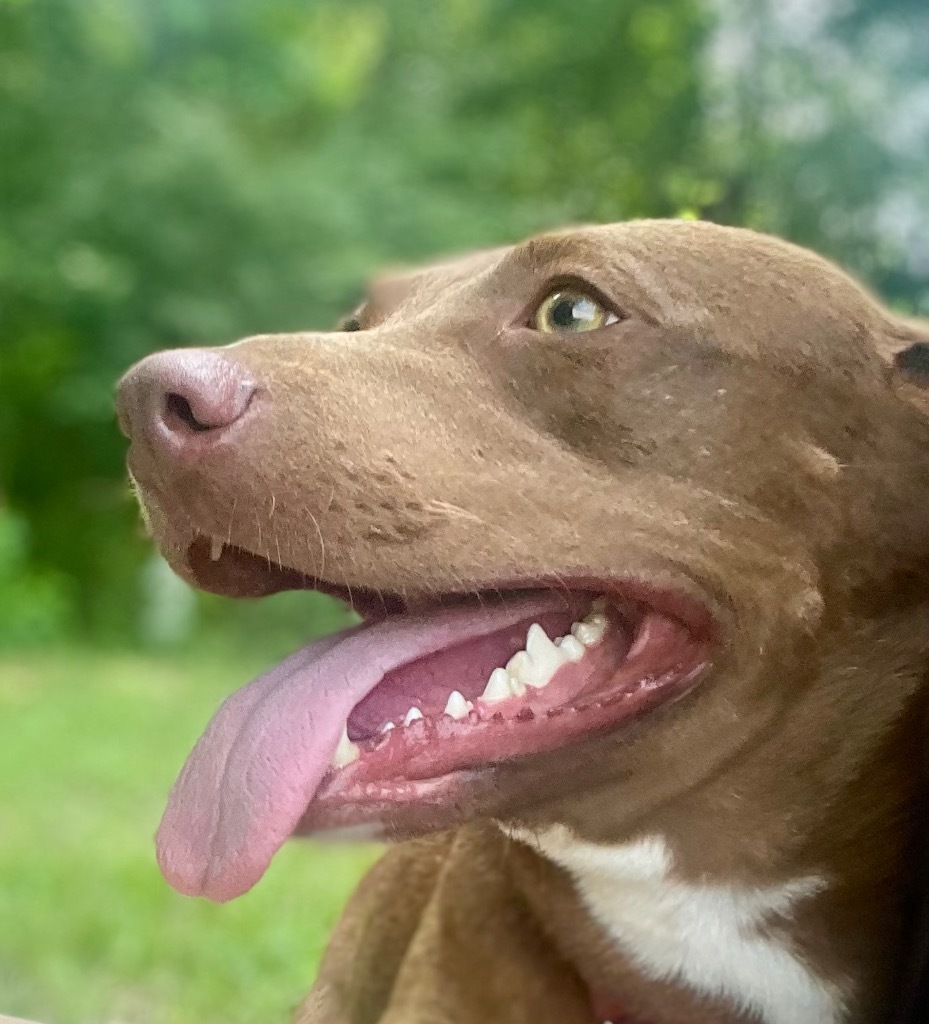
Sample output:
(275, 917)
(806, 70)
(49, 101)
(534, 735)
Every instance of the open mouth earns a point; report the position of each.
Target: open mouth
(412, 706)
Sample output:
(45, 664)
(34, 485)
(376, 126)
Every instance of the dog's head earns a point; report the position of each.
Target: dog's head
(595, 497)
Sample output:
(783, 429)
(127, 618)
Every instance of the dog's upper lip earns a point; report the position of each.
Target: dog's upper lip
(239, 572)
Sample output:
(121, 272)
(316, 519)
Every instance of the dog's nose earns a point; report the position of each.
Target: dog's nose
(186, 398)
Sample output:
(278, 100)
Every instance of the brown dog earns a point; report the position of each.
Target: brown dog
(638, 520)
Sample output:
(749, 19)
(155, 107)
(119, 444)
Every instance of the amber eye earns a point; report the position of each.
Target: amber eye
(572, 311)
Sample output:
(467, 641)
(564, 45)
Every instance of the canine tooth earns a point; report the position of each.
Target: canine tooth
(540, 648)
(499, 686)
(571, 648)
(216, 548)
(412, 715)
(387, 726)
(587, 634)
(346, 751)
(457, 706)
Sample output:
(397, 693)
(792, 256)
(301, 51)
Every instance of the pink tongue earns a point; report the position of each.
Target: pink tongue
(257, 767)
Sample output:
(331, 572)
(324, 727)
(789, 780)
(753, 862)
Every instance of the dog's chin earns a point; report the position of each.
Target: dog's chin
(400, 725)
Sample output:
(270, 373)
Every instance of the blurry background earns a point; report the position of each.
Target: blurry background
(191, 171)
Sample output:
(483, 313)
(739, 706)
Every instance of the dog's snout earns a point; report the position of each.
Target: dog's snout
(184, 398)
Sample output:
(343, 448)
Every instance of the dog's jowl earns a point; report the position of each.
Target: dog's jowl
(637, 521)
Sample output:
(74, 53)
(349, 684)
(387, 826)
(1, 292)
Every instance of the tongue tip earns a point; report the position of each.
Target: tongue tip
(198, 873)
(191, 877)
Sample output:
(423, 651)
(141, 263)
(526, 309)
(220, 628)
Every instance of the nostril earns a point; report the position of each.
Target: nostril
(185, 397)
(177, 407)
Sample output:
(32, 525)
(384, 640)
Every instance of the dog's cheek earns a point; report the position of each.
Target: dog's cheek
(580, 393)
(652, 401)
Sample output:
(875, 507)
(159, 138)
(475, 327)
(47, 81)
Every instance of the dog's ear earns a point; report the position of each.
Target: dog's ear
(905, 347)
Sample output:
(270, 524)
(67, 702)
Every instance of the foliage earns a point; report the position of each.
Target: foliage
(34, 607)
(192, 171)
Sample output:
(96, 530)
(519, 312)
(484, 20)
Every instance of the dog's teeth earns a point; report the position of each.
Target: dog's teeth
(521, 671)
(526, 669)
(412, 715)
(545, 656)
(571, 648)
(216, 549)
(588, 634)
(387, 726)
(499, 686)
(597, 622)
(592, 628)
(457, 706)
(518, 664)
(346, 751)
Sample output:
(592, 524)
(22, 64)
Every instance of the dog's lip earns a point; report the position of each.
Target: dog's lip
(238, 572)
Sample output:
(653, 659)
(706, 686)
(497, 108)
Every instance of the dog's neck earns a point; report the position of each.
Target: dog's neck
(774, 887)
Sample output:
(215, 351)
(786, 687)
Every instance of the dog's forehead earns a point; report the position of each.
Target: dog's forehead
(411, 290)
(744, 292)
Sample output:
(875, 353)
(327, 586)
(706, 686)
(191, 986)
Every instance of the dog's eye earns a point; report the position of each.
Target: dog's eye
(352, 323)
(573, 311)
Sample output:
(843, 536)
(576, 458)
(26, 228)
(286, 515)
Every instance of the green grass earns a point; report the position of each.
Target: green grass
(89, 931)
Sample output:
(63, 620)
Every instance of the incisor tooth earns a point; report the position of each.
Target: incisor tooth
(216, 549)
(499, 686)
(346, 751)
(387, 726)
(457, 706)
(412, 715)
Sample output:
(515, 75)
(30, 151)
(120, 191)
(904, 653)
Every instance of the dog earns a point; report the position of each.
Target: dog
(636, 518)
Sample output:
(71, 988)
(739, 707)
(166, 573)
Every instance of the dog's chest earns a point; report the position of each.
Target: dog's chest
(711, 937)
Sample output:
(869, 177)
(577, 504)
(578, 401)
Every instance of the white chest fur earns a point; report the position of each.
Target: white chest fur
(709, 936)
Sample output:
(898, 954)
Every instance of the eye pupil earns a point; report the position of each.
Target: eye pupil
(565, 312)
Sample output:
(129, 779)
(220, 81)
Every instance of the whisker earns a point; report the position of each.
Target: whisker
(261, 543)
(322, 545)
(235, 502)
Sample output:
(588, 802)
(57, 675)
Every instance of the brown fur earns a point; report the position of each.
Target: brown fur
(741, 434)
